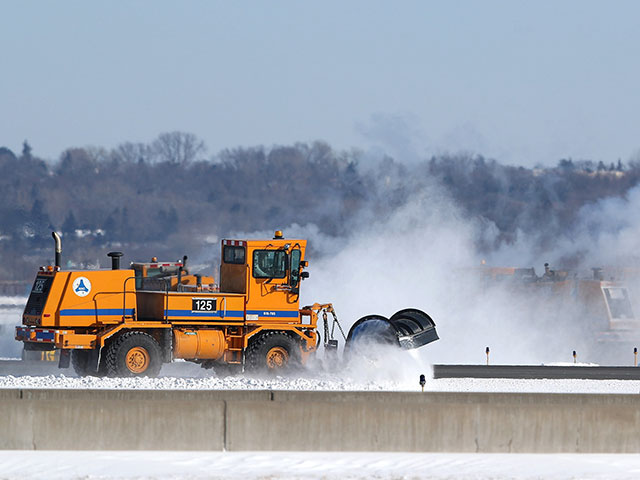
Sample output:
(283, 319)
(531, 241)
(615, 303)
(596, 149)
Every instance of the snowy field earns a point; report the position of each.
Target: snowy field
(55, 465)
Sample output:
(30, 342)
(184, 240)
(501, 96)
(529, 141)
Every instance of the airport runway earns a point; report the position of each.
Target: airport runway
(536, 372)
(18, 367)
(35, 368)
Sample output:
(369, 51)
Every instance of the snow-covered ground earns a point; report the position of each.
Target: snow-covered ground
(324, 382)
(55, 465)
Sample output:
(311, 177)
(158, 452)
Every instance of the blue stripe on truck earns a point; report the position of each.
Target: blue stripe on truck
(77, 312)
(214, 313)
(233, 313)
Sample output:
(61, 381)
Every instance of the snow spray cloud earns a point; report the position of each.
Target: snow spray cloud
(419, 257)
(423, 255)
(605, 233)
(10, 316)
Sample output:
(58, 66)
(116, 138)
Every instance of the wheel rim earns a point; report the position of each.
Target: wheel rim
(277, 357)
(137, 359)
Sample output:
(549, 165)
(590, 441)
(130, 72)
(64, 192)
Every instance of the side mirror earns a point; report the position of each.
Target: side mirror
(304, 275)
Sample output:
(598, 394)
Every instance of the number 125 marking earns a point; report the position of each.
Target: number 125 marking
(203, 304)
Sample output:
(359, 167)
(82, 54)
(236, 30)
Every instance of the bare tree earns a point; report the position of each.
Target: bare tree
(177, 147)
(133, 152)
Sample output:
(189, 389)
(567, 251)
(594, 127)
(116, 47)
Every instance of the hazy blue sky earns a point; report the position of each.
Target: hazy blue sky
(524, 82)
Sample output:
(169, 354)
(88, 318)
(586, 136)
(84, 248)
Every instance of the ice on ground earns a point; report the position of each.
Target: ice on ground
(312, 465)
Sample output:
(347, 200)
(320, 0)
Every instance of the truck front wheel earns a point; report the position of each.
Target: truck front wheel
(273, 352)
(134, 354)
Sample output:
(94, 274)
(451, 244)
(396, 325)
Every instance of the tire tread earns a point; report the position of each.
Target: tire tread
(114, 349)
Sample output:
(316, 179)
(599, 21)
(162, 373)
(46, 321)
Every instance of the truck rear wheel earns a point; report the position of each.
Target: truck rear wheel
(84, 363)
(273, 352)
(134, 354)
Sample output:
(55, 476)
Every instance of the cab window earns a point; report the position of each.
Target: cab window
(619, 303)
(269, 263)
(233, 255)
(295, 268)
(153, 272)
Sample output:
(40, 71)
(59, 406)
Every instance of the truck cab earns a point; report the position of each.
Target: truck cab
(267, 272)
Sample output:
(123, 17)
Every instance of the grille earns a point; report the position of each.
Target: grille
(38, 296)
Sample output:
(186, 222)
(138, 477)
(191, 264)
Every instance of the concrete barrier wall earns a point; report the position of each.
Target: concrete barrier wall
(319, 421)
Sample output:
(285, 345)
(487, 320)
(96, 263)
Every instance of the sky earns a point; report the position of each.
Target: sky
(523, 82)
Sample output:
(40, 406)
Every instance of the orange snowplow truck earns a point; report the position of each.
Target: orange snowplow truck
(104, 322)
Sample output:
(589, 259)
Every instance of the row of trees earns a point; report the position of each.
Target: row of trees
(165, 199)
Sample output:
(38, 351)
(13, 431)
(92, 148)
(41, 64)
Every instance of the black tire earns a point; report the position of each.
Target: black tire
(266, 353)
(134, 354)
(84, 361)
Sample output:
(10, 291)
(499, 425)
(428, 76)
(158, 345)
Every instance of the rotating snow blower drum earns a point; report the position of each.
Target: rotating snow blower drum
(414, 328)
(409, 328)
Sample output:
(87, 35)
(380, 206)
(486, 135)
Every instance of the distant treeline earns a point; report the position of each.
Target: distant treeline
(166, 198)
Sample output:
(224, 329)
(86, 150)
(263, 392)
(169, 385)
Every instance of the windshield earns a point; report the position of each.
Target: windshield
(269, 263)
(619, 303)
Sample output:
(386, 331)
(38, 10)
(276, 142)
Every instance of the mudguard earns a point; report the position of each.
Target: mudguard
(409, 328)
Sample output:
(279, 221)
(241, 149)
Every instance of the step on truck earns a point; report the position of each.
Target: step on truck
(112, 322)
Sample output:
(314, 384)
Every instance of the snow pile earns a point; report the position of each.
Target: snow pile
(238, 382)
(325, 383)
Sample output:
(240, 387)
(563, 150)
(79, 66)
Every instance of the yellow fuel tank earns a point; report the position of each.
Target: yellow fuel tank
(198, 344)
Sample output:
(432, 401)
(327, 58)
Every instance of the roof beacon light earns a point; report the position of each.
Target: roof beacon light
(278, 235)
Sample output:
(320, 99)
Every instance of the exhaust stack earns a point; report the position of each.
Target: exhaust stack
(58, 248)
(115, 260)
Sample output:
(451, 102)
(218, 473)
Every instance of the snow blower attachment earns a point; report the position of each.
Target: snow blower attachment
(409, 328)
